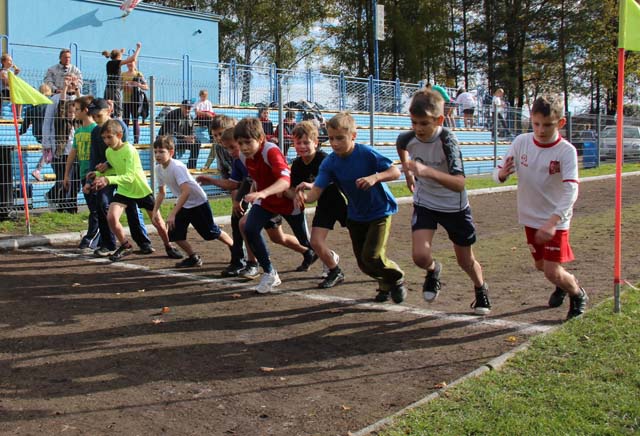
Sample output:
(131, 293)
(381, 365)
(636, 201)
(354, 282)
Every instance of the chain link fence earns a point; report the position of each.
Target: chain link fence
(379, 108)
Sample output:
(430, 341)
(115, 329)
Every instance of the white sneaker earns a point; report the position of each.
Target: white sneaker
(268, 281)
(325, 268)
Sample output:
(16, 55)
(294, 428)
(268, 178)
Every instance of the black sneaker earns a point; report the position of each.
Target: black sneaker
(381, 296)
(173, 252)
(398, 292)
(482, 305)
(431, 286)
(557, 297)
(190, 262)
(122, 251)
(335, 277)
(577, 305)
(146, 249)
(310, 256)
(232, 270)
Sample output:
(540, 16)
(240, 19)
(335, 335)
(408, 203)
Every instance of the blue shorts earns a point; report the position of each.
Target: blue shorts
(201, 218)
(459, 225)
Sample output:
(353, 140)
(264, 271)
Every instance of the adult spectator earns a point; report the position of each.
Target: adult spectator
(180, 123)
(467, 103)
(113, 89)
(55, 74)
(498, 106)
(134, 86)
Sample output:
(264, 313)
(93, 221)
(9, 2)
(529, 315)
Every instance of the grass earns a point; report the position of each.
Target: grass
(582, 379)
(43, 223)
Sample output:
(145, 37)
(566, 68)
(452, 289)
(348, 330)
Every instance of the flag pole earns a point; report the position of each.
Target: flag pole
(617, 240)
(23, 182)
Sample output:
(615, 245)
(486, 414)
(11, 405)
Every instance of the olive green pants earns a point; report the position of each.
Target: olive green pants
(369, 241)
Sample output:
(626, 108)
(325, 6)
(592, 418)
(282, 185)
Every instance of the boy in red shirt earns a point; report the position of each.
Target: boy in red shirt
(271, 176)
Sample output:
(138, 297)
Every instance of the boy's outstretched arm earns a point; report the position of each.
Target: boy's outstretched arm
(310, 196)
(391, 173)
(226, 184)
(403, 154)
(276, 187)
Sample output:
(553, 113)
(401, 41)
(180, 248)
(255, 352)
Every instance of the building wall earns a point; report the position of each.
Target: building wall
(171, 38)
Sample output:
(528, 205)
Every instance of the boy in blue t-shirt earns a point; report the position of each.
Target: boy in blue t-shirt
(358, 171)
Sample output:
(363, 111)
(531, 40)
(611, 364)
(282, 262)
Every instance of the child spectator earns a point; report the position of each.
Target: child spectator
(132, 189)
(267, 125)
(224, 161)
(82, 151)
(234, 183)
(547, 168)
(359, 171)
(34, 116)
(435, 175)
(204, 108)
(63, 199)
(192, 206)
(7, 64)
(288, 124)
(331, 206)
(113, 89)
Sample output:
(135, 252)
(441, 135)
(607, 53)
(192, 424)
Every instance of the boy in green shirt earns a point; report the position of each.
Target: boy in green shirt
(81, 150)
(126, 172)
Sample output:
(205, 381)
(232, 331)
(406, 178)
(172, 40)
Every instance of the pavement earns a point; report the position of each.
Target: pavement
(10, 243)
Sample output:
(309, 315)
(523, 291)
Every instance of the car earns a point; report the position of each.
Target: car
(630, 140)
(578, 139)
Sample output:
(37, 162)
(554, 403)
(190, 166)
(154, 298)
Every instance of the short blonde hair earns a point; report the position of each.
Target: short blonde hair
(227, 135)
(342, 120)
(305, 128)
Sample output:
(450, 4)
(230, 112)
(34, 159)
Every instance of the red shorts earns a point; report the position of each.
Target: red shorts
(555, 250)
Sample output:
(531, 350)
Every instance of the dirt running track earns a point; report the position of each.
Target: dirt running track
(85, 349)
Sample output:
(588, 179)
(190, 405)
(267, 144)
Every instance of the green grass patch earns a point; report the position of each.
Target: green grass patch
(581, 379)
(43, 223)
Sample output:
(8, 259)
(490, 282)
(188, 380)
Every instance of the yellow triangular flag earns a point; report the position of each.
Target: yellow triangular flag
(23, 93)
(629, 28)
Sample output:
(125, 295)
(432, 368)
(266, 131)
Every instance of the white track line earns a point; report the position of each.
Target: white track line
(472, 321)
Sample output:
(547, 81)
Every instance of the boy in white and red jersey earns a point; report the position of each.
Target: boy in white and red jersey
(270, 173)
(547, 167)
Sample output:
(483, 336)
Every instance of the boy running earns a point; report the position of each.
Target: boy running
(432, 162)
(547, 167)
(359, 170)
(192, 206)
(331, 207)
(132, 189)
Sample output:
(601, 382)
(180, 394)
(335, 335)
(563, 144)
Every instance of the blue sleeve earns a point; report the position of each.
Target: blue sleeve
(238, 171)
(382, 163)
(324, 177)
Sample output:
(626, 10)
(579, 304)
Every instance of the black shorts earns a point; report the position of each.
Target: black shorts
(326, 217)
(459, 225)
(201, 218)
(146, 203)
(468, 111)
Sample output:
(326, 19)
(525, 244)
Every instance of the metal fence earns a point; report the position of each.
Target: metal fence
(378, 107)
